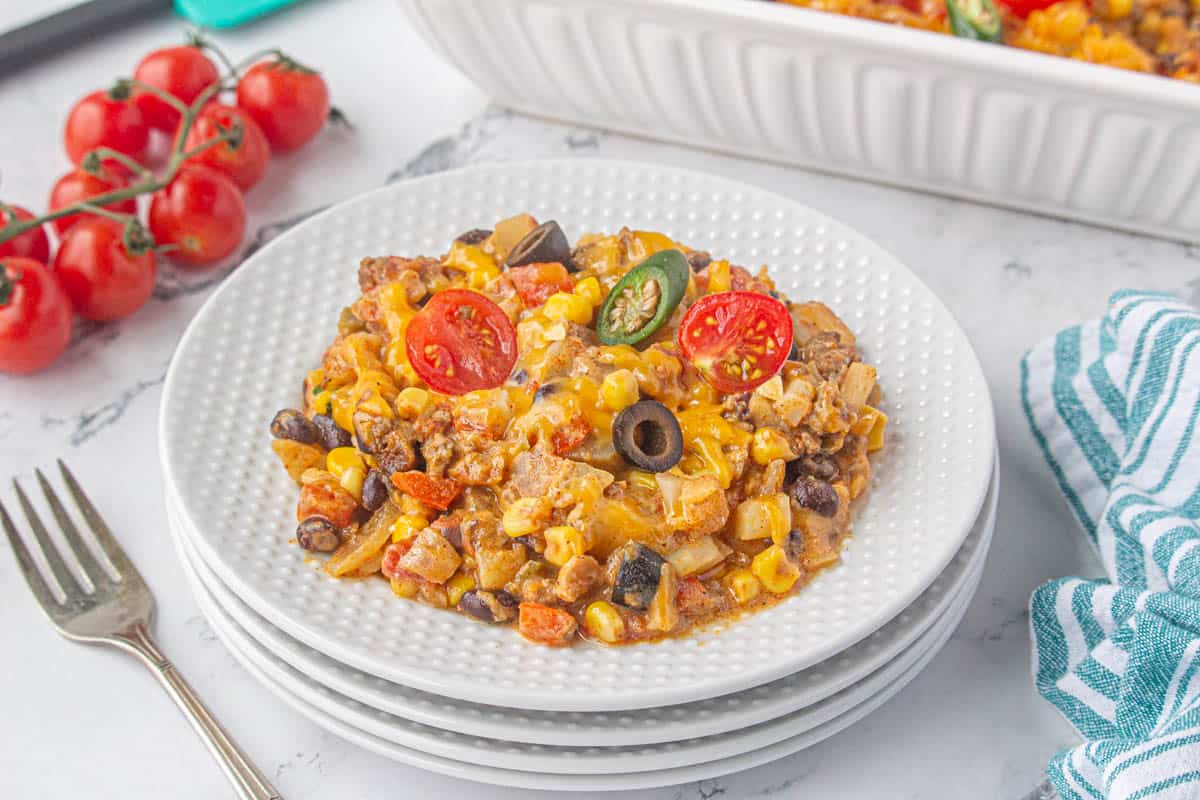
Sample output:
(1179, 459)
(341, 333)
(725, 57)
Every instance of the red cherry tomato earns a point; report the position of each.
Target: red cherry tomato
(99, 120)
(32, 243)
(536, 282)
(103, 280)
(289, 102)
(244, 164)
(79, 185)
(202, 213)
(35, 316)
(461, 341)
(737, 340)
(183, 71)
(1022, 8)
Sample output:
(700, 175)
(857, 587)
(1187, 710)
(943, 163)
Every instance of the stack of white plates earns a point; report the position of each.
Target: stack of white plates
(434, 689)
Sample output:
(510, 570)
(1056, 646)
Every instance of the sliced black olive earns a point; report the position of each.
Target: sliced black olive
(518, 377)
(332, 434)
(473, 236)
(698, 260)
(794, 353)
(291, 424)
(543, 244)
(489, 606)
(642, 301)
(544, 391)
(637, 576)
(374, 490)
(816, 495)
(647, 435)
(318, 535)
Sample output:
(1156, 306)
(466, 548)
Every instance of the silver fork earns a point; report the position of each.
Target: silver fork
(117, 611)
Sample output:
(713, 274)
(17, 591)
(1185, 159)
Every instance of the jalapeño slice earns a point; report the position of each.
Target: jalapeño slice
(644, 299)
(974, 19)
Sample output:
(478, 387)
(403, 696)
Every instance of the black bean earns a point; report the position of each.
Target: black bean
(518, 377)
(488, 606)
(699, 260)
(820, 465)
(292, 424)
(453, 535)
(473, 236)
(544, 391)
(816, 495)
(374, 490)
(318, 535)
(794, 354)
(794, 545)
(332, 435)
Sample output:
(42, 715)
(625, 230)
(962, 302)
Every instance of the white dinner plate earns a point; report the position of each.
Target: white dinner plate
(246, 352)
(560, 768)
(637, 727)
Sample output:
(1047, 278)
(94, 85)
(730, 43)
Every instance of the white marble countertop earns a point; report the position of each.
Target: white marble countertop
(81, 722)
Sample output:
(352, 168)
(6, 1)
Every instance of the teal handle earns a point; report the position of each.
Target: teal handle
(227, 13)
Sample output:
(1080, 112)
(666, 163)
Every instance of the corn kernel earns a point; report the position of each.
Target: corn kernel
(407, 526)
(342, 404)
(875, 437)
(768, 445)
(604, 622)
(743, 585)
(563, 542)
(405, 587)
(411, 402)
(568, 307)
(718, 277)
(589, 289)
(457, 586)
(341, 459)
(524, 516)
(773, 568)
(653, 242)
(767, 517)
(352, 481)
(619, 389)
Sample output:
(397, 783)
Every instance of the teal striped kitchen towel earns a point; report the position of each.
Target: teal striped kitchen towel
(1114, 406)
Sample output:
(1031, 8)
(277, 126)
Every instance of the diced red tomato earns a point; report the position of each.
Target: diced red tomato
(569, 436)
(326, 500)
(1023, 8)
(438, 493)
(692, 598)
(392, 555)
(536, 282)
(546, 625)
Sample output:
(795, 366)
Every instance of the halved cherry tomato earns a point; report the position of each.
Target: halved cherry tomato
(79, 185)
(202, 212)
(183, 71)
(536, 282)
(103, 280)
(1022, 8)
(737, 340)
(289, 101)
(101, 120)
(438, 493)
(243, 164)
(35, 316)
(461, 341)
(30, 244)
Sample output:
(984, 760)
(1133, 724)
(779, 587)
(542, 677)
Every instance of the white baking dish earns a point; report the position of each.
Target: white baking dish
(849, 96)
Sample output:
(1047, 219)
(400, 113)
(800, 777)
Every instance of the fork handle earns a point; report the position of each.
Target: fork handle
(249, 783)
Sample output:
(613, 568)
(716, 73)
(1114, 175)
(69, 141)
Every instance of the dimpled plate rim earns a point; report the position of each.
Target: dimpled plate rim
(558, 781)
(593, 760)
(258, 326)
(639, 727)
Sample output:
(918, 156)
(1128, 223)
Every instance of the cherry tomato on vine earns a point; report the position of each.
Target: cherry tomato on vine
(290, 102)
(536, 282)
(32, 243)
(102, 278)
(202, 213)
(79, 185)
(1023, 8)
(183, 71)
(244, 164)
(35, 316)
(737, 340)
(461, 341)
(101, 120)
